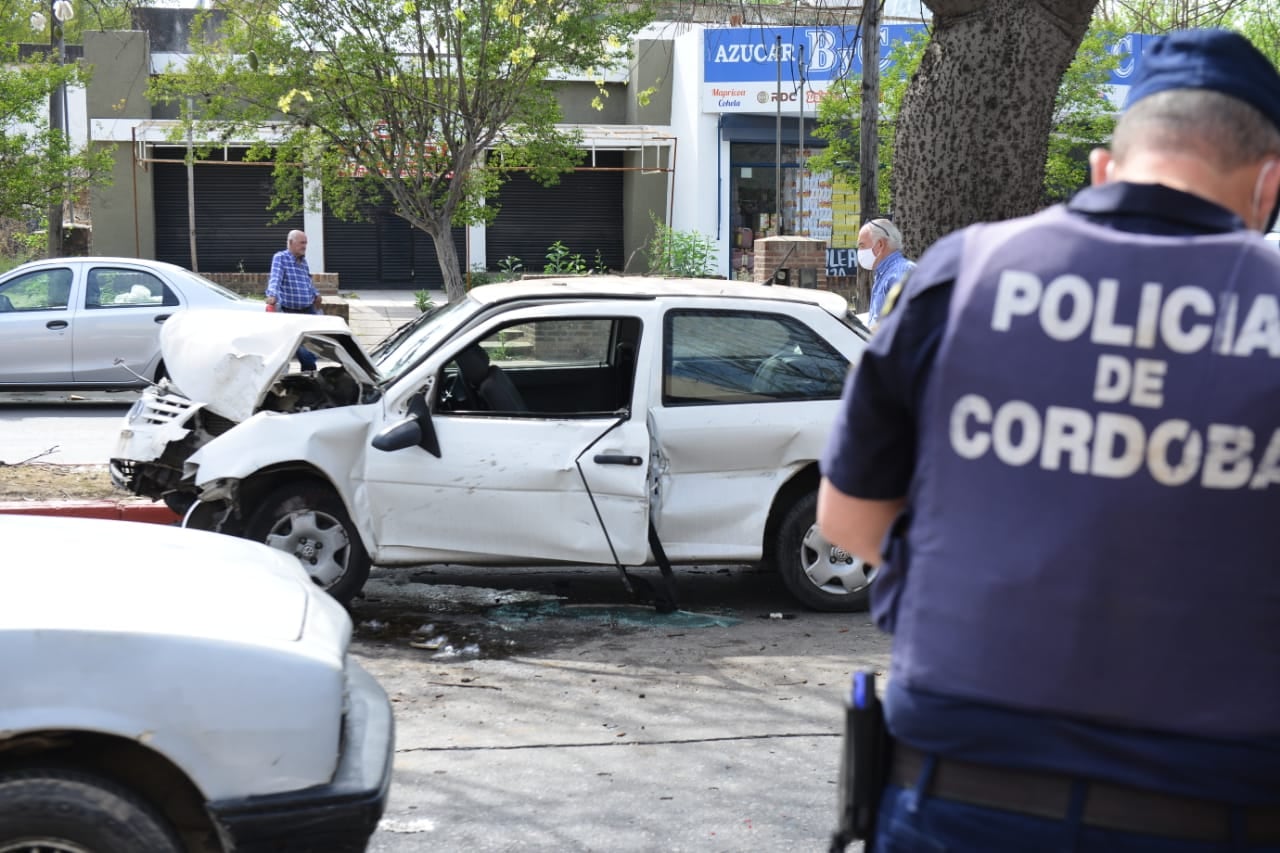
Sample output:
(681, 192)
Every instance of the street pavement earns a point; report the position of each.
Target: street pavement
(603, 725)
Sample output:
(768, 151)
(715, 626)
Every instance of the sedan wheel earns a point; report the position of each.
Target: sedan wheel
(310, 522)
(820, 575)
(52, 810)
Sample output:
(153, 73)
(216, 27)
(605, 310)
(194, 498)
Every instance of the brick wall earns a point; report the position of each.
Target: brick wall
(793, 253)
(255, 283)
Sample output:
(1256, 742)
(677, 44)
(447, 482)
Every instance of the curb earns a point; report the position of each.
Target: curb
(145, 511)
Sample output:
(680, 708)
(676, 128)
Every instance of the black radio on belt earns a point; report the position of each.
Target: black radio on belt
(864, 760)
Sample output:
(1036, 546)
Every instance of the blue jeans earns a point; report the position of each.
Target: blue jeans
(306, 358)
(910, 823)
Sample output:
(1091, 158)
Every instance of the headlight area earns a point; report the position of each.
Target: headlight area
(338, 816)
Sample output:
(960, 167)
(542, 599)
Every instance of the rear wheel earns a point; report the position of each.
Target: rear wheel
(52, 810)
(309, 520)
(820, 575)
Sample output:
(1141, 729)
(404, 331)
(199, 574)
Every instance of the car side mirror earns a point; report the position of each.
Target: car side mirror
(410, 432)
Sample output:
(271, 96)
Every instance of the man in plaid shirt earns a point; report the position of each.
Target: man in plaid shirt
(290, 290)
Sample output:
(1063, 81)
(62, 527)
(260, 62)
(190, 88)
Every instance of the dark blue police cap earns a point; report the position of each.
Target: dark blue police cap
(1220, 60)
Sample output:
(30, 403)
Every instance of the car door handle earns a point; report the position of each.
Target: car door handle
(160, 318)
(617, 459)
(56, 325)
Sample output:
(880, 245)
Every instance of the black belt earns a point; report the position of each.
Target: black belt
(1106, 806)
(306, 310)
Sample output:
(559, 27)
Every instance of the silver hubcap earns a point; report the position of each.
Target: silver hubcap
(832, 569)
(43, 845)
(317, 540)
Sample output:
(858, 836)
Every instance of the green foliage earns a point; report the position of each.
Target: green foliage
(37, 165)
(480, 276)
(430, 102)
(422, 300)
(1083, 115)
(511, 267)
(840, 118)
(16, 20)
(599, 267)
(679, 253)
(561, 261)
(18, 243)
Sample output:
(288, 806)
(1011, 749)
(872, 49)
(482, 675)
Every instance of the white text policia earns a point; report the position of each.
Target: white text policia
(1185, 321)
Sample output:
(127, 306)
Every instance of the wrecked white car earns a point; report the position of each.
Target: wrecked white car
(618, 421)
(172, 691)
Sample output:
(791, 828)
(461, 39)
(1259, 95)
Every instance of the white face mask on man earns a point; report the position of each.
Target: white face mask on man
(866, 258)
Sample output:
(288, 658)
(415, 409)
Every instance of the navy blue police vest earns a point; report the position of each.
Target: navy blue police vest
(1096, 509)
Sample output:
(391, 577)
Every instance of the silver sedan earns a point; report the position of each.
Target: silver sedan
(95, 322)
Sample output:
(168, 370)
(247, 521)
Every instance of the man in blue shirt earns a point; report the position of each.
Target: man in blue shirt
(880, 250)
(290, 290)
(1061, 423)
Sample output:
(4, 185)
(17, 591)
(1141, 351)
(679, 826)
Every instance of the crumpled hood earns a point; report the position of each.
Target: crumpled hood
(229, 360)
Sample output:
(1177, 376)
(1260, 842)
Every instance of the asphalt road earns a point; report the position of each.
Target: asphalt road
(61, 427)
(538, 709)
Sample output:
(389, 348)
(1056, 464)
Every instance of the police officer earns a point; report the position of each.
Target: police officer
(1064, 445)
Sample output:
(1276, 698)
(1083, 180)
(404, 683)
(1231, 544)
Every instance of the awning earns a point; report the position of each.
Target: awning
(758, 129)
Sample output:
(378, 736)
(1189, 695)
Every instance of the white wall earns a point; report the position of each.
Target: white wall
(702, 165)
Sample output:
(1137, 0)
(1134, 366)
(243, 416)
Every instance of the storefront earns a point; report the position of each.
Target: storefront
(763, 84)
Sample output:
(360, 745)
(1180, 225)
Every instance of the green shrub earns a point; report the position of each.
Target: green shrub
(679, 253)
(511, 267)
(561, 261)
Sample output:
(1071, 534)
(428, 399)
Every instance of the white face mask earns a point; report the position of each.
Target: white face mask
(866, 258)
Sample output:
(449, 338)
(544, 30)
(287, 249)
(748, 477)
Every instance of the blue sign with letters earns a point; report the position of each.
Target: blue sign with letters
(751, 55)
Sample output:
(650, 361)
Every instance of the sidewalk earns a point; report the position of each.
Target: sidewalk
(374, 314)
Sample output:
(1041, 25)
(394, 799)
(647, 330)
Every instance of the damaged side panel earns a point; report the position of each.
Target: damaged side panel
(718, 485)
(332, 442)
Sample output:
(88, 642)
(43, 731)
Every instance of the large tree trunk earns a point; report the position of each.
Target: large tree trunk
(455, 285)
(973, 132)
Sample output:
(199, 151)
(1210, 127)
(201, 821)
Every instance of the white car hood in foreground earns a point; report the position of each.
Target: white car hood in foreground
(63, 574)
(229, 360)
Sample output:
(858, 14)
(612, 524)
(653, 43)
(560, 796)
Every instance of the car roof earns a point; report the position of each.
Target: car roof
(98, 259)
(651, 287)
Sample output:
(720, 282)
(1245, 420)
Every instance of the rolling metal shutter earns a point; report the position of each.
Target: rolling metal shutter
(385, 252)
(234, 231)
(583, 211)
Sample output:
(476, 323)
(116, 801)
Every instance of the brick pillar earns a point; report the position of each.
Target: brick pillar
(792, 253)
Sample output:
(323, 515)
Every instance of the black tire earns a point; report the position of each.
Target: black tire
(819, 575)
(53, 810)
(308, 520)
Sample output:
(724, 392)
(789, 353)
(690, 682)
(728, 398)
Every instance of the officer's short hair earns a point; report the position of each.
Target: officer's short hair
(1225, 131)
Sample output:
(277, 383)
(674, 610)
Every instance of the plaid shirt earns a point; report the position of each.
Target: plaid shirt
(290, 281)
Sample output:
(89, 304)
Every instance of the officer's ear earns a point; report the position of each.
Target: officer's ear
(1101, 166)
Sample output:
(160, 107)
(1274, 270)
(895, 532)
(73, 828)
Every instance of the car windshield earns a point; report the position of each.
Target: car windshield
(187, 277)
(404, 347)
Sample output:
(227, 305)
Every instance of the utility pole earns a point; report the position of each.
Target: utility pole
(777, 172)
(869, 137)
(799, 229)
(57, 123)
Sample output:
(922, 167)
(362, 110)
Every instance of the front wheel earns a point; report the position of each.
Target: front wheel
(51, 810)
(820, 575)
(310, 522)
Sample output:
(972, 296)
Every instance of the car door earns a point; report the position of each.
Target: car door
(35, 326)
(745, 398)
(120, 316)
(543, 451)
